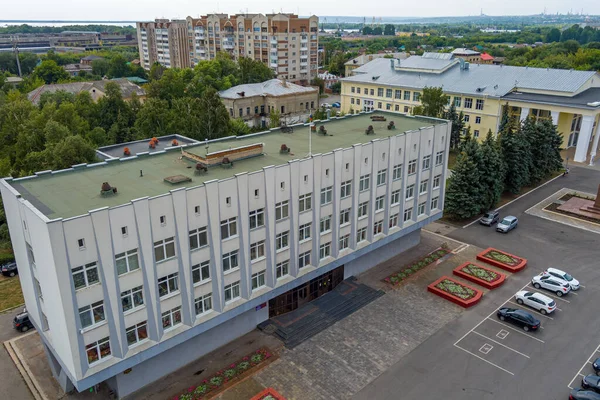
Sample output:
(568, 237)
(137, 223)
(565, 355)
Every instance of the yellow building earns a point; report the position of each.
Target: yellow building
(571, 99)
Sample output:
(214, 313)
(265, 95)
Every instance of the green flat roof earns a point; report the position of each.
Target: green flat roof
(75, 192)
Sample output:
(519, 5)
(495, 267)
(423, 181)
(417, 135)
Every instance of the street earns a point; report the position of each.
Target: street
(12, 384)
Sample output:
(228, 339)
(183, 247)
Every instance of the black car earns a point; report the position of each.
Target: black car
(519, 317)
(9, 269)
(582, 394)
(22, 322)
(591, 382)
(596, 366)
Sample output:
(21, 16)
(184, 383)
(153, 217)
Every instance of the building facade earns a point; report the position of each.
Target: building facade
(164, 42)
(570, 99)
(126, 287)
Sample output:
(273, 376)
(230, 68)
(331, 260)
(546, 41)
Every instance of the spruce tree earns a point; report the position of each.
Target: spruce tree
(492, 171)
(464, 189)
(516, 166)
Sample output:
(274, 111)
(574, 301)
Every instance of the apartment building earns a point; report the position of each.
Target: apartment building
(568, 98)
(127, 285)
(164, 42)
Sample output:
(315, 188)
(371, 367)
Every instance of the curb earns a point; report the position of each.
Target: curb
(28, 377)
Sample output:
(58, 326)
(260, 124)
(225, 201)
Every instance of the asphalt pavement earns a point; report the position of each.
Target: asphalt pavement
(12, 385)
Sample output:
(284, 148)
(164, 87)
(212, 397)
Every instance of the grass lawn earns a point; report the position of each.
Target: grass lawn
(10, 293)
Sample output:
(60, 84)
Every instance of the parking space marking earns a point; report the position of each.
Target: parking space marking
(516, 330)
(486, 348)
(573, 293)
(483, 359)
(570, 385)
(503, 345)
(532, 309)
(581, 286)
(502, 334)
(549, 295)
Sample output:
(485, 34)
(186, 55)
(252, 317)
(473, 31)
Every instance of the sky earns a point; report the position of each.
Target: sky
(115, 10)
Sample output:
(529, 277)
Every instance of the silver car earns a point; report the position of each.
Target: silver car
(490, 218)
(507, 224)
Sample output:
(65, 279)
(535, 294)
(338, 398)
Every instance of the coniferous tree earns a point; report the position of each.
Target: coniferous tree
(516, 166)
(464, 189)
(492, 171)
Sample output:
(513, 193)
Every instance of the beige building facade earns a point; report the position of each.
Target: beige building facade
(163, 41)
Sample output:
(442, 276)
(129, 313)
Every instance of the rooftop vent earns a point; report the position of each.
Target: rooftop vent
(481, 89)
(375, 77)
(241, 94)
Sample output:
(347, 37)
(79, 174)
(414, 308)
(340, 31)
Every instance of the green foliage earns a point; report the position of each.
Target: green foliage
(336, 87)
(320, 83)
(458, 124)
(274, 119)
(516, 158)
(544, 143)
(239, 127)
(492, 172)
(50, 72)
(433, 100)
(100, 67)
(464, 189)
(389, 29)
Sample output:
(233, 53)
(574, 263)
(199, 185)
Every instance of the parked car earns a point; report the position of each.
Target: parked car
(9, 269)
(326, 105)
(591, 382)
(538, 301)
(574, 283)
(596, 366)
(22, 322)
(582, 394)
(336, 105)
(490, 218)
(507, 224)
(551, 283)
(519, 317)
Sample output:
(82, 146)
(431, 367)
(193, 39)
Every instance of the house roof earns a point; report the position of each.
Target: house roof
(589, 98)
(478, 79)
(127, 88)
(365, 58)
(92, 57)
(272, 87)
(465, 52)
(486, 57)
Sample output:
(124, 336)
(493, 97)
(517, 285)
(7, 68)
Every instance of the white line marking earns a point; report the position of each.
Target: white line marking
(503, 345)
(546, 199)
(582, 375)
(446, 237)
(486, 348)
(532, 309)
(581, 286)
(583, 366)
(550, 295)
(573, 293)
(483, 359)
(516, 330)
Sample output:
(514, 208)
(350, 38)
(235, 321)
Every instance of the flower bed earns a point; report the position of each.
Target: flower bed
(503, 260)
(268, 394)
(458, 293)
(397, 277)
(225, 377)
(483, 276)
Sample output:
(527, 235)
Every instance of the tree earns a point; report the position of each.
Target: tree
(320, 83)
(367, 30)
(433, 100)
(239, 127)
(515, 161)
(112, 108)
(72, 150)
(544, 143)
(187, 117)
(118, 67)
(58, 97)
(154, 119)
(377, 31)
(336, 87)
(458, 124)
(169, 87)
(156, 71)
(274, 119)
(50, 72)
(100, 67)
(553, 35)
(214, 118)
(492, 171)
(464, 189)
(252, 71)
(389, 30)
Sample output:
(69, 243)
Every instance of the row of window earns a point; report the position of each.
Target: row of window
(468, 103)
(389, 93)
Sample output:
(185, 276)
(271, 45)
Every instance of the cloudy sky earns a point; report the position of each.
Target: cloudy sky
(150, 9)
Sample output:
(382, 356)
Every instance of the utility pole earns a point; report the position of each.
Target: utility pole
(15, 43)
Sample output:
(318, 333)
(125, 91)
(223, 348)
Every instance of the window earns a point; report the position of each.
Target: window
(203, 304)
(478, 119)
(85, 275)
(98, 350)
(258, 280)
(439, 158)
(164, 249)
(124, 231)
(282, 269)
(93, 314)
(372, 92)
(407, 95)
(38, 288)
(468, 103)
(163, 220)
(352, 101)
(197, 210)
(397, 107)
(423, 186)
(426, 162)
(346, 189)
(232, 292)
(412, 167)
(228, 228)
(393, 220)
(30, 253)
(379, 203)
(398, 94)
(378, 228)
(434, 203)
(397, 172)
(282, 240)
(363, 209)
(137, 333)
(395, 197)
(305, 202)
(281, 210)
(457, 101)
(304, 259)
(407, 214)
(361, 235)
(201, 272)
(421, 209)
(326, 195)
(325, 250)
(344, 242)
(81, 244)
(230, 261)
(388, 93)
(467, 117)
(381, 177)
(282, 185)
(358, 90)
(257, 250)
(479, 105)
(325, 224)
(416, 96)
(127, 262)
(364, 183)
(406, 109)
(198, 238)
(345, 216)
(171, 318)
(257, 218)
(379, 92)
(476, 133)
(410, 191)
(305, 178)
(352, 89)
(347, 166)
(132, 298)
(168, 284)
(304, 232)
(436, 181)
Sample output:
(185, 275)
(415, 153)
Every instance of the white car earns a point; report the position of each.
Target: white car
(326, 105)
(574, 283)
(545, 281)
(537, 301)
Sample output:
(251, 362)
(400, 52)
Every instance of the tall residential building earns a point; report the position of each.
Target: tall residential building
(190, 251)
(163, 41)
(285, 42)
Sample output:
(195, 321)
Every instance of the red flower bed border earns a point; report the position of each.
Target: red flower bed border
(268, 391)
(488, 285)
(463, 303)
(481, 257)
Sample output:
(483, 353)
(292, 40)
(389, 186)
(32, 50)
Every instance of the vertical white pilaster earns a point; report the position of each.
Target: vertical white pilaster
(524, 112)
(554, 115)
(583, 141)
(595, 144)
